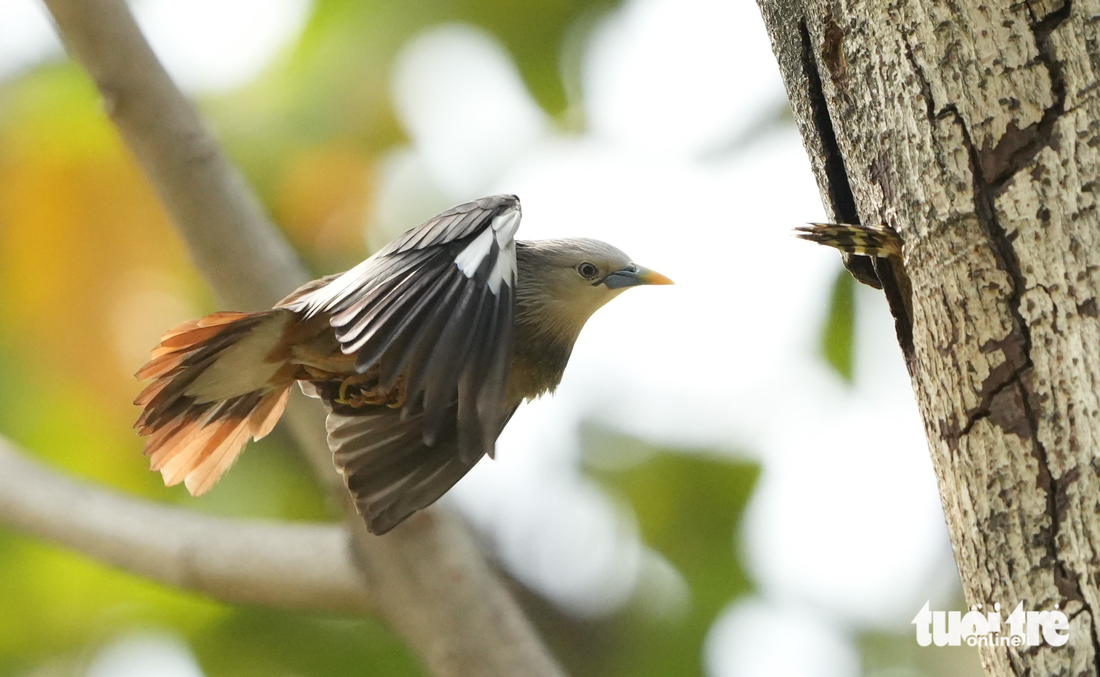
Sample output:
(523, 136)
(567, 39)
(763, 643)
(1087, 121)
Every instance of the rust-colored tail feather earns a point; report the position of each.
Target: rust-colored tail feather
(194, 439)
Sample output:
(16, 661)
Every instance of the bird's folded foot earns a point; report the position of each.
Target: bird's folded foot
(353, 394)
(361, 390)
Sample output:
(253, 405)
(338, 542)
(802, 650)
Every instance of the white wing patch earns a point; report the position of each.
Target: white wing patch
(505, 268)
(505, 226)
(502, 231)
(470, 258)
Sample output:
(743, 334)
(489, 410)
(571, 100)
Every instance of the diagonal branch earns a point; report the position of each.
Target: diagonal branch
(244, 561)
(430, 582)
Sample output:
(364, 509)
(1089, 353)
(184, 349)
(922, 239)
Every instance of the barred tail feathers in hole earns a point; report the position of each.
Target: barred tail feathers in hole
(874, 241)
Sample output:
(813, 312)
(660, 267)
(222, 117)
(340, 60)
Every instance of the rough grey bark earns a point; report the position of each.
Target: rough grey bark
(972, 127)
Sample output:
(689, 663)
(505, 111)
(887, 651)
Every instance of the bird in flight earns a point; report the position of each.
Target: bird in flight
(421, 354)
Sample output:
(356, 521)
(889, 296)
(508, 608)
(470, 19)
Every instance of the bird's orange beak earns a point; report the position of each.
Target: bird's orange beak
(648, 276)
(634, 276)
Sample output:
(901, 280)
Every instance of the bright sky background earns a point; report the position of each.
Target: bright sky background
(845, 530)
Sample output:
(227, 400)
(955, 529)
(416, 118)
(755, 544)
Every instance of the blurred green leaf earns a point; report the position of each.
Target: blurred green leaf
(687, 506)
(59, 605)
(837, 344)
(886, 653)
(335, 84)
(533, 32)
(254, 642)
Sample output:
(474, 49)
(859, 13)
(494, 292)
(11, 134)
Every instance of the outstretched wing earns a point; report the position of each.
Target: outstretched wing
(387, 466)
(431, 317)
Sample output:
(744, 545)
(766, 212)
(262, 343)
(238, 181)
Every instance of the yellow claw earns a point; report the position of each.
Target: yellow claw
(342, 398)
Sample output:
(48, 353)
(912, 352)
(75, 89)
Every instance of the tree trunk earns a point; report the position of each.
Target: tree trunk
(972, 128)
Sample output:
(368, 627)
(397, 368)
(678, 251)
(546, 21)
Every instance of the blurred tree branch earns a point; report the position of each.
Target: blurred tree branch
(427, 577)
(298, 566)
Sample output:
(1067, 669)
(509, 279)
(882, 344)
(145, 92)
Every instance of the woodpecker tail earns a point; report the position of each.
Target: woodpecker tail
(217, 381)
(875, 241)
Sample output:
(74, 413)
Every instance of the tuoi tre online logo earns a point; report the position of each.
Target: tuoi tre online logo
(1024, 628)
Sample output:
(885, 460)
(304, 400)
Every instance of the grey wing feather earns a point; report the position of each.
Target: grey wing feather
(307, 288)
(456, 223)
(387, 466)
(437, 307)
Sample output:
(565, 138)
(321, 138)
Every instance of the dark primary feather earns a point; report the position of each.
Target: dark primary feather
(387, 467)
(411, 312)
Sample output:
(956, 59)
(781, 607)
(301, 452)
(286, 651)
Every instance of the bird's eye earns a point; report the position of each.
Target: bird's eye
(588, 271)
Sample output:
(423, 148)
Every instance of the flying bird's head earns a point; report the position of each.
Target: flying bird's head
(562, 282)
